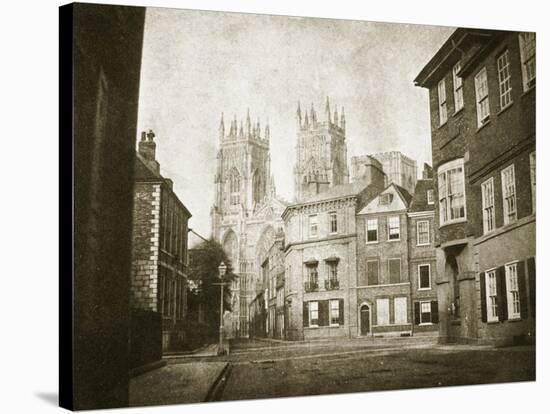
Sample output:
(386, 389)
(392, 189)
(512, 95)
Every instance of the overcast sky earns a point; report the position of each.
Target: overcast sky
(198, 64)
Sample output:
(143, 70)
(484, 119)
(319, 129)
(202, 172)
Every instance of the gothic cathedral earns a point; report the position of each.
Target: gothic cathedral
(246, 213)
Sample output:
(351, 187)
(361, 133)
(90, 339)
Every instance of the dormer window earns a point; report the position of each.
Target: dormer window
(385, 199)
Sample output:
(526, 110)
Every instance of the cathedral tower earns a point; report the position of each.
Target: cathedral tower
(321, 152)
(243, 164)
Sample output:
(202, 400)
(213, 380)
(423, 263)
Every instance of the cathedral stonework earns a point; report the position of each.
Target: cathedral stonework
(246, 213)
(321, 152)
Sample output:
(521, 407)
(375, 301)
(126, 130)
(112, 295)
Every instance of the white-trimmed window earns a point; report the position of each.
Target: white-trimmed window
(382, 311)
(533, 173)
(482, 97)
(313, 226)
(442, 98)
(422, 232)
(452, 201)
(334, 312)
(430, 196)
(313, 314)
(457, 88)
(504, 79)
(372, 230)
(424, 277)
(400, 310)
(491, 292)
(509, 194)
(393, 228)
(512, 291)
(488, 205)
(527, 47)
(425, 312)
(333, 222)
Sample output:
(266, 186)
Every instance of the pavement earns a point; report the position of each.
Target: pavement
(190, 382)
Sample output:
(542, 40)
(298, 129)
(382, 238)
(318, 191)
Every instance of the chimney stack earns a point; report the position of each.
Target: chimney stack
(147, 149)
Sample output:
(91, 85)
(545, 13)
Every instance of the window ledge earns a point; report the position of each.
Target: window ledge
(502, 110)
(515, 319)
(492, 322)
(528, 90)
(372, 242)
(423, 244)
(443, 124)
(393, 240)
(459, 111)
(425, 324)
(430, 288)
(334, 325)
(451, 222)
(480, 127)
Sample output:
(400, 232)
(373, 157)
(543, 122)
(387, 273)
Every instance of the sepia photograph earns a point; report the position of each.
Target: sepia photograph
(269, 206)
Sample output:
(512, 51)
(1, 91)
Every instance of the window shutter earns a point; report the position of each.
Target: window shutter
(522, 290)
(483, 298)
(502, 299)
(306, 314)
(323, 313)
(417, 313)
(435, 312)
(532, 283)
(341, 310)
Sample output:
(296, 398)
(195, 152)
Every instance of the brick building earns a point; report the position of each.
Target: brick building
(383, 283)
(159, 259)
(422, 256)
(482, 101)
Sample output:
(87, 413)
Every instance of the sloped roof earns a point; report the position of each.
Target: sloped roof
(338, 191)
(420, 197)
(143, 171)
(405, 195)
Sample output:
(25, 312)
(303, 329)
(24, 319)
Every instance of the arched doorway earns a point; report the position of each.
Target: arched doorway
(364, 313)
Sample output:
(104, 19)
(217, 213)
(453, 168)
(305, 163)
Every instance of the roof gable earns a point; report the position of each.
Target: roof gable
(393, 198)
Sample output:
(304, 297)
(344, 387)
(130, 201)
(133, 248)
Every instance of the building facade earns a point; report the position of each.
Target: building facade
(422, 256)
(383, 282)
(482, 102)
(320, 260)
(246, 212)
(159, 248)
(321, 152)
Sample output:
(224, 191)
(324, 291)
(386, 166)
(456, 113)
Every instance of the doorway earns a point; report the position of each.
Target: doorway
(365, 320)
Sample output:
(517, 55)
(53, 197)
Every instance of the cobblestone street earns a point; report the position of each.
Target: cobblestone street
(354, 366)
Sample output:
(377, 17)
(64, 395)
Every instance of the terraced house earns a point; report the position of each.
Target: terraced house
(482, 87)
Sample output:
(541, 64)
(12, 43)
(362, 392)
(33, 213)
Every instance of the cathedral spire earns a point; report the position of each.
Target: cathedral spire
(258, 129)
(343, 120)
(222, 128)
(241, 132)
(327, 110)
(267, 130)
(313, 115)
(306, 121)
(248, 122)
(298, 117)
(335, 115)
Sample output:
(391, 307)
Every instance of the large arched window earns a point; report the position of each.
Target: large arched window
(234, 187)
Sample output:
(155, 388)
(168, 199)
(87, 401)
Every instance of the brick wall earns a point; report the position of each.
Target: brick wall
(145, 246)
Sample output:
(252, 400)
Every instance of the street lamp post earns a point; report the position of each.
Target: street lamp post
(222, 268)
